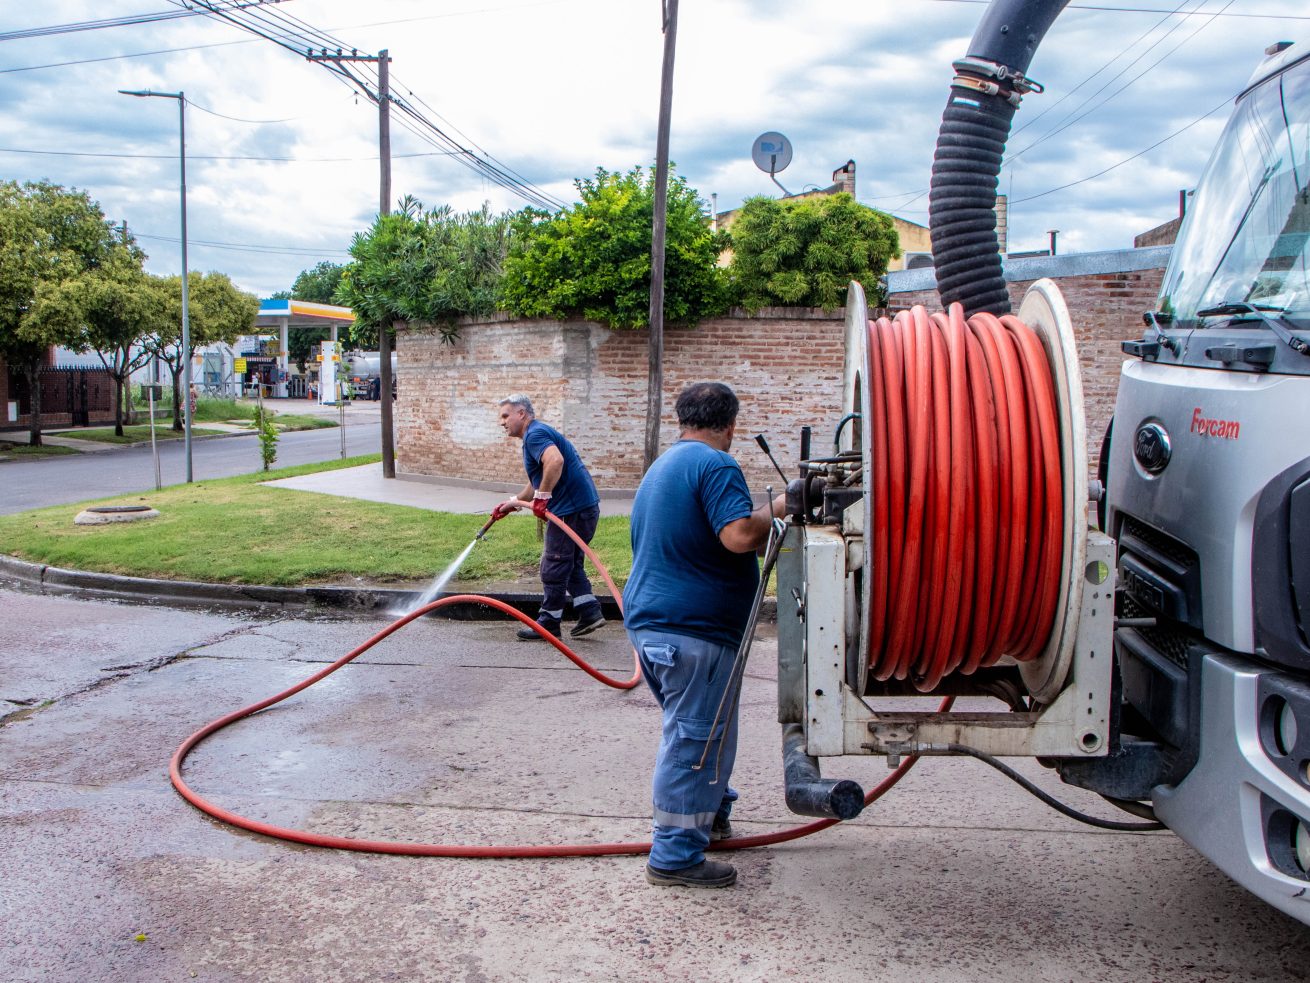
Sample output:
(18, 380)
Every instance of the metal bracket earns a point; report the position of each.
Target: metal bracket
(839, 721)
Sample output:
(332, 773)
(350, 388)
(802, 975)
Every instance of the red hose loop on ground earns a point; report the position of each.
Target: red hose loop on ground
(465, 850)
(967, 508)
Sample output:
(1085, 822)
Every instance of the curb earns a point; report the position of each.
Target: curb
(352, 601)
(187, 593)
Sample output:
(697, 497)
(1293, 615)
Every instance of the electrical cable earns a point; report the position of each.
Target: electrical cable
(1139, 809)
(967, 494)
(1051, 800)
(463, 850)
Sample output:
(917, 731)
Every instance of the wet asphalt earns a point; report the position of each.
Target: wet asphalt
(452, 732)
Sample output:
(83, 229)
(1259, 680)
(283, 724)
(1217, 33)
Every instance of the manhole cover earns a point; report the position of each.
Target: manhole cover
(110, 509)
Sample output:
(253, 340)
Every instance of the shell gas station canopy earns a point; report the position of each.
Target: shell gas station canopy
(282, 315)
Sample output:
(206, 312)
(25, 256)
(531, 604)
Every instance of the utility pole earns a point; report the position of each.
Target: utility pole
(655, 372)
(383, 98)
(186, 302)
(384, 208)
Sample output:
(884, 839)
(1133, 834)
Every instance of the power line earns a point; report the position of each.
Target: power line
(96, 25)
(1127, 48)
(237, 119)
(134, 54)
(1139, 153)
(357, 70)
(1148, 10)
(1069, 119)
(247, 247)
(191, 156)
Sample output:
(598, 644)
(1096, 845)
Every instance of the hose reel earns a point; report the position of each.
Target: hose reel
(973, 441)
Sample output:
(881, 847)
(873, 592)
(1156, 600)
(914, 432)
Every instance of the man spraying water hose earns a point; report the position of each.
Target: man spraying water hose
(558, 482)
(687, 605)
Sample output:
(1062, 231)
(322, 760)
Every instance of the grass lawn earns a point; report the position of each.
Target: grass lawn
(8, 449)
(302, 421)
(135, 434)
(235, 530)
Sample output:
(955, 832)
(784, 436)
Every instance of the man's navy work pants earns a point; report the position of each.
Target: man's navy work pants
(562, 573)
(688, 676)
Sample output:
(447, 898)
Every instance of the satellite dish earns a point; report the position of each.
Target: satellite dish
(771, 152)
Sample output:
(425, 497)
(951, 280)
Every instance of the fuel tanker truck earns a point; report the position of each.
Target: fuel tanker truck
(1144, 631)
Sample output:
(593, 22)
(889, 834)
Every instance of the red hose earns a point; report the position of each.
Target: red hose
(967, 512)
(458, 850)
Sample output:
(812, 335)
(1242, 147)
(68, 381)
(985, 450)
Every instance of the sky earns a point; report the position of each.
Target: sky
(282, 156)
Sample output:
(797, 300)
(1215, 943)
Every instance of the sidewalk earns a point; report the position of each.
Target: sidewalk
(421, 492)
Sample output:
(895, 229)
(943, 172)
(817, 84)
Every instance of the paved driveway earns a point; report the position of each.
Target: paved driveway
(452, 732)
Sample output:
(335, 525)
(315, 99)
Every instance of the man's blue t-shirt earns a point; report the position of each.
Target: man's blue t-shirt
(575, 490)
(684, 580)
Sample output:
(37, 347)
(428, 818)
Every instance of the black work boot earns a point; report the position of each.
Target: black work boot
(589, 619)
(707, 873)
(526, 634)
(721, 830)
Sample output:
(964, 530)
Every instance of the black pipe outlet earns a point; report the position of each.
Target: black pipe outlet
(970, 146)
(808, 792)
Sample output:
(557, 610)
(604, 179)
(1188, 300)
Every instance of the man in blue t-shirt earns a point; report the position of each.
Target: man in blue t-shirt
(558, 482)
(694, 574)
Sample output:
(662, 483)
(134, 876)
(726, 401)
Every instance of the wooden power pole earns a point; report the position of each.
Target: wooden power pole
(383, 98)
(384, 208)
(655, 372)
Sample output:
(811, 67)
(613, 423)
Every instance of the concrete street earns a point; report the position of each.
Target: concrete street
(59, 480)
(452, 732)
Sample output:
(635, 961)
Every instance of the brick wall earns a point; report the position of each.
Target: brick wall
(785, 365)
(1105, 305)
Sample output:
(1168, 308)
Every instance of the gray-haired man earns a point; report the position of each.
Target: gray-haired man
(558, 482)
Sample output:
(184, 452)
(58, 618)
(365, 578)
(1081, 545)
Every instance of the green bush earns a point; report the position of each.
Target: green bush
(804, 252)
(592, 260)
(431, 267)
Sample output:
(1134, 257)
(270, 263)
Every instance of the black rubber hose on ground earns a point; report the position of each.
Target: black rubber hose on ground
(970, 145)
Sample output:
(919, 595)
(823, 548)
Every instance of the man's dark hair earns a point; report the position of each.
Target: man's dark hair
(707, 406)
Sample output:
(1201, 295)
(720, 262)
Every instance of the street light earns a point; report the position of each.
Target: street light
(186, 318)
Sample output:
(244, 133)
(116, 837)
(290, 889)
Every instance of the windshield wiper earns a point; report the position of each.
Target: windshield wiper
(1271, 316)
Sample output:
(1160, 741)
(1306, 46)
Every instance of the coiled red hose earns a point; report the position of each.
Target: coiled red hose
(967, 494)
(464, 850)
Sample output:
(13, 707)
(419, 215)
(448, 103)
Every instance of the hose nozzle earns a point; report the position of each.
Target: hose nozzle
(487, 525)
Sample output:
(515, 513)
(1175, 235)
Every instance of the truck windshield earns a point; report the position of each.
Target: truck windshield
(1246, 238)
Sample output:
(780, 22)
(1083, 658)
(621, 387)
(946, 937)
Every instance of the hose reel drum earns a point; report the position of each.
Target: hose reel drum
(1055, 717)
(1043, 309)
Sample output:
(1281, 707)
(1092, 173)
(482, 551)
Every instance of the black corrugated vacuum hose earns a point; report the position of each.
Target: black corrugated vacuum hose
(975, 126)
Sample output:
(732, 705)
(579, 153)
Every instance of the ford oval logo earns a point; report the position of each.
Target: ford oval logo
(1151, 447)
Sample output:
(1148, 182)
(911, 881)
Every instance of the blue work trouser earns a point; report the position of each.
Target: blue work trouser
(688, 676)
(562, 573)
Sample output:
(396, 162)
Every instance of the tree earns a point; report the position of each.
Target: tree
(319, 283)
(430, 266)
(593, 259)
(48, 235)
(803, 252)
(111, 310)
(218, 312)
